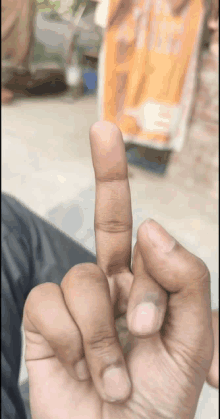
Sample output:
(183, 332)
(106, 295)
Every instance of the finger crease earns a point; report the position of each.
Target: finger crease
(113, 227)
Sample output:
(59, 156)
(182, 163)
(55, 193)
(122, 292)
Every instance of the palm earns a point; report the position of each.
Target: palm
(53, 383)
(150, 368)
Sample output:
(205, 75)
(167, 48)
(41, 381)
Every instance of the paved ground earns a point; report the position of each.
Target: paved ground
(47, 165)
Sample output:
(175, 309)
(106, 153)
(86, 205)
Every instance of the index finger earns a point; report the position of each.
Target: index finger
(113, 217)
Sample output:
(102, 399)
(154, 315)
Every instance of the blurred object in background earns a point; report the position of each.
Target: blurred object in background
(42, 82)
(213, 25)
(17, 18)
(66, 55)
(197, 165)
(47, 41)
(147, 158)
(85, 48)
(150, 63)
(177, 6)
(56, 44)
(6, 96)
(89, 80)
(214, 45)
(147, 81)
(74, 79)
(73, 40)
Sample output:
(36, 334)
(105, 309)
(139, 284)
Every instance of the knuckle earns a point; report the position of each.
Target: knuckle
(67, 355)
(113, 226)
(101, 341)
(82, 271)
(202, 271)
(87, 268)
(199, 276)
(67, 345)
(39, 293)
(36, 299)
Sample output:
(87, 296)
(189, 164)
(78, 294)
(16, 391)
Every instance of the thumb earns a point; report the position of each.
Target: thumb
(147, 300)
(187, 330)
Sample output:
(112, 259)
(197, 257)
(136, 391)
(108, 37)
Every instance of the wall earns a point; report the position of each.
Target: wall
(197, 164)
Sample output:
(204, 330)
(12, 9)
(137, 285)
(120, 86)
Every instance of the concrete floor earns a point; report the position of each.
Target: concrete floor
(46, 162)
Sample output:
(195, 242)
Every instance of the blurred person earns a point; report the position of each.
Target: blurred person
(71, 301)
(17, 40)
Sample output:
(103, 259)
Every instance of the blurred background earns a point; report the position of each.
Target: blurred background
(48, 107)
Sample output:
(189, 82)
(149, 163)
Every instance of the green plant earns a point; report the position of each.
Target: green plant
(59, 6)
(64, 6)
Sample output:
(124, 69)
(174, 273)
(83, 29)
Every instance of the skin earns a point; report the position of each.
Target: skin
(6, 96)
(213, 375)
(169, 358)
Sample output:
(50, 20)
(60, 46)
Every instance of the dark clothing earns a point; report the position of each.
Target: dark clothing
(33, 252)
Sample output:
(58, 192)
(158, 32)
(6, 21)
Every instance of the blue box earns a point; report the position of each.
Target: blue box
(89, 81)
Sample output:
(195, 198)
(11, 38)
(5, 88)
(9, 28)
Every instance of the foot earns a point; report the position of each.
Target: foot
(6, 96)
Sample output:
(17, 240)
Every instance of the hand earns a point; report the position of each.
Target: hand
(213, 375)
(71, 339)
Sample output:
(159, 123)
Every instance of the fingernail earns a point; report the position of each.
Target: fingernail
(116, 384)
(159, 236)
(145, 318)
(81, 370)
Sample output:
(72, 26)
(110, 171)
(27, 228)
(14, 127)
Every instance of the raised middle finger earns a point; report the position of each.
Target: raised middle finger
(113, 216)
